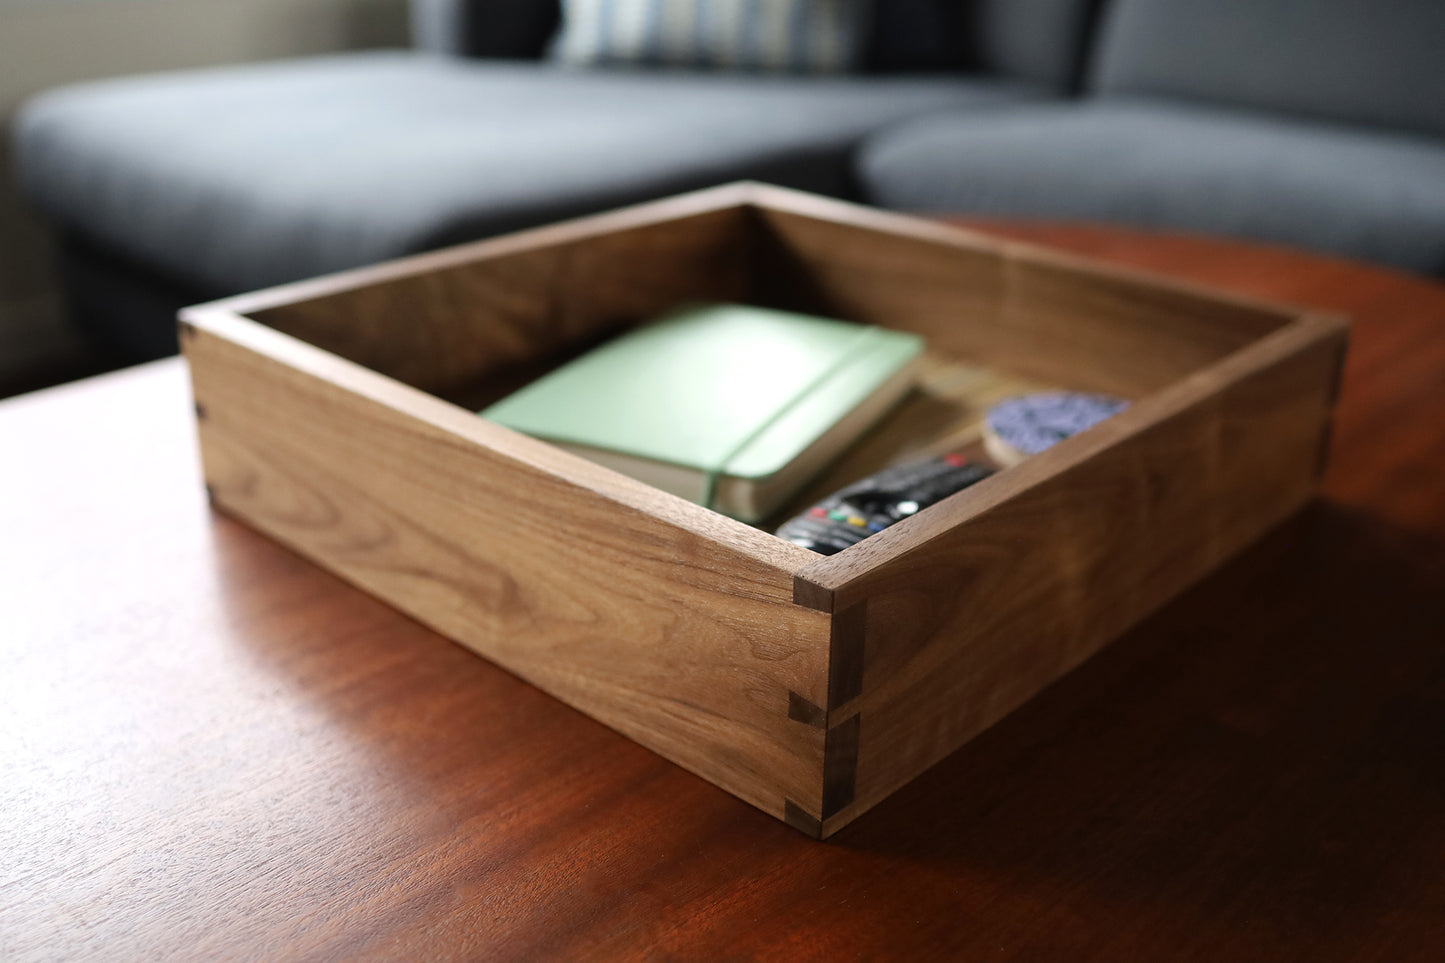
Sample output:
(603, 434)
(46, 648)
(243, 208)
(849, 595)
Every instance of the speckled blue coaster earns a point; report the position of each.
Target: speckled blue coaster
(1029, 424)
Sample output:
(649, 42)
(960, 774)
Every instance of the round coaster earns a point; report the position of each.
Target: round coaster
(1028, 424)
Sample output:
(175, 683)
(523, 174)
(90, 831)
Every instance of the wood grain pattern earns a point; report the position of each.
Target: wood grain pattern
(977, 605)
(444, 321)
(212, 748)
(671, 636)
(1008, 306)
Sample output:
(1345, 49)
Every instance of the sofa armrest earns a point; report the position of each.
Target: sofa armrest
(484, 28)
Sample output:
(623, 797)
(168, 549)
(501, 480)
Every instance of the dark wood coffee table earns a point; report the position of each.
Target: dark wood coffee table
(211, 748)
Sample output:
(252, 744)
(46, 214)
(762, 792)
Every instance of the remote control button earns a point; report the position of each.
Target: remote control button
(874, 503)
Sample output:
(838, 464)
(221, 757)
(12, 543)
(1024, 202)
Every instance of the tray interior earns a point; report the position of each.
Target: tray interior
(470, 324)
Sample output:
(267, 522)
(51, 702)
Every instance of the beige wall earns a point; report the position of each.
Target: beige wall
(44, 43)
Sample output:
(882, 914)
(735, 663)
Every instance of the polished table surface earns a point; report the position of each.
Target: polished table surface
(210, 748)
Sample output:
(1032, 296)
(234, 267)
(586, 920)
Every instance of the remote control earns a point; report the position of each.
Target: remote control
(851, 514)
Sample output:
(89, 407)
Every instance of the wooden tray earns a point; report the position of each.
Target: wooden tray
(336, 415)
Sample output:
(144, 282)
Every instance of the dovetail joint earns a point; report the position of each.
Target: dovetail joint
(797, 817)
(806, 711)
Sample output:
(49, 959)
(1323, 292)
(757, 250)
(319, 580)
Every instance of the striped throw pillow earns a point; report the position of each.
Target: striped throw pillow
(809, 36)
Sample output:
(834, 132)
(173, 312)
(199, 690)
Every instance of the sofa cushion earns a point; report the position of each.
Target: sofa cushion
(1348, 190)
(806, 36)
(1367, 61)
(242, 177)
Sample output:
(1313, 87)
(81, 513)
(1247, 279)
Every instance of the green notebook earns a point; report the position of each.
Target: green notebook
(731, 406)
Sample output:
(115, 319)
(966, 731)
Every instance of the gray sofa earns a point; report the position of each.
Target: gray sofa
(1312, 122)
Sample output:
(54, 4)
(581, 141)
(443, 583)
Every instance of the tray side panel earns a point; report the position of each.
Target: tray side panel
(521, 298)
(677, 640)
(1033, 312)
(976, 616)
